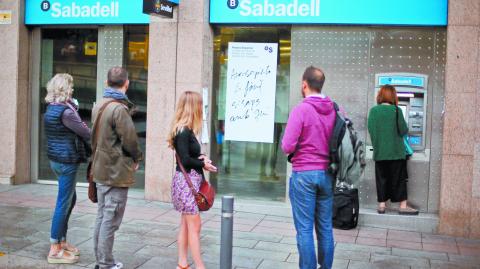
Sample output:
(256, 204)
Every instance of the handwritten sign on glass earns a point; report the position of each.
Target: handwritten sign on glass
(251, 85)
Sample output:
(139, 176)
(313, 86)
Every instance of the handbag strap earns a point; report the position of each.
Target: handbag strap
(95, 125)
(185, 174)
(95, 137)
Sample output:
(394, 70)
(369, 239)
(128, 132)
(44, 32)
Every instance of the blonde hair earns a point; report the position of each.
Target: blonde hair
(59, 88)
(188, 114)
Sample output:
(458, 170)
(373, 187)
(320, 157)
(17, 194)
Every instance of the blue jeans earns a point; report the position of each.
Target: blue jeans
(66, 199)
(311, 196)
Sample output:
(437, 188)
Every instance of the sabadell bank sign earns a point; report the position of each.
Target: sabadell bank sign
(358, 12)
(44, 12)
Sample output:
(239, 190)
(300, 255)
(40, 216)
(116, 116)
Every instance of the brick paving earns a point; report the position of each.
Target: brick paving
(147, 240)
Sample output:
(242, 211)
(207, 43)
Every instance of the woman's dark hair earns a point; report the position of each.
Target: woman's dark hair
(387, 94)
(314, 77)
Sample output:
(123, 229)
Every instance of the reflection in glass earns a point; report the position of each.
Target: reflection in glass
(72, 51)
(136, 63)
(247, 169)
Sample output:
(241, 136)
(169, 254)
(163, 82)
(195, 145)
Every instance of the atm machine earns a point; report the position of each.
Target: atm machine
(412, 99)
(412, 92)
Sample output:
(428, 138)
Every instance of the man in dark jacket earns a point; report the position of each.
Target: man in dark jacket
(116, 158)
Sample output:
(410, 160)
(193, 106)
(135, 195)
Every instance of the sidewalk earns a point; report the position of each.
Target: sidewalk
(146, 239)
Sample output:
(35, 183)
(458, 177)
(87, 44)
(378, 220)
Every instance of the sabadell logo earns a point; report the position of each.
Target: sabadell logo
(268, 8)
(75, 10)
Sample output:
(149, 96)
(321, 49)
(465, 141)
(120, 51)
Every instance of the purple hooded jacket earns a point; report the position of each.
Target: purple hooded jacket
(308, 132)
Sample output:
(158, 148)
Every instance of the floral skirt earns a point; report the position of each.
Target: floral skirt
(182, 196)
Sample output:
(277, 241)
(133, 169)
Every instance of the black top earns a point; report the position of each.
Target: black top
(187, 147)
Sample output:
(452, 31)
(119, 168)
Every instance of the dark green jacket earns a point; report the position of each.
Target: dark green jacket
(387, 143)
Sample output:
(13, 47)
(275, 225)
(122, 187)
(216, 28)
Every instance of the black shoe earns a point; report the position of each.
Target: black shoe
(97, 266)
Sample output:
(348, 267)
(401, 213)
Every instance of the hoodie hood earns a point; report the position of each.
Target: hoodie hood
(322, 105)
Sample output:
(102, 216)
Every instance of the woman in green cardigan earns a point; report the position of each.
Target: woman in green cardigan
(389, 151)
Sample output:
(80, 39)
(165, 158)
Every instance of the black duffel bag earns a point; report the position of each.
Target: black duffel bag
(345, 208)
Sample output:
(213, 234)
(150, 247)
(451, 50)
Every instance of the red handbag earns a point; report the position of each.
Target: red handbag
(205, 196)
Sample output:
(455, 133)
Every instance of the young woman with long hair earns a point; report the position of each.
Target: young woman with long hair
(186, 127)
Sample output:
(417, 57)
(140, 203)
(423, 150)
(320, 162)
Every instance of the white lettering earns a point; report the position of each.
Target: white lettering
(257, 10)
(75, 10)
(56, 10)
(303, 10)
(246, 10)
(269, 8)
(292, 8)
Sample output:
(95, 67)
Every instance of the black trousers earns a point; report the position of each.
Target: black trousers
(391, 178)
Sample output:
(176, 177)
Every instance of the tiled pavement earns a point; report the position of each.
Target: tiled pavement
(146, 239)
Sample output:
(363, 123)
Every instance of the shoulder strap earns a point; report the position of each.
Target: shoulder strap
(96, 123)
(185, 174)
(396, 120)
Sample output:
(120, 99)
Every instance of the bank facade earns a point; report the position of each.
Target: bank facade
(429, 52)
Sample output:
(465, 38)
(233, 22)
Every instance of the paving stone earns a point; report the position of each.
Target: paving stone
(269, 264)
(156, 251)
(367, 265)
(419, 254)
(441, 247)
(404, 236)
(147, 240)
(12, 244)
(237, 261)
(404, 244)
(20, 262)
(289, 240)
(467, 259)
(372, 232)
(247, 252)
(435, 264)
(289, 248)
(159, 262)
(352, 255)
(237, 242)
(340, 263)
(371, 241)
(361, 248)
(390, 259)
(294, 257)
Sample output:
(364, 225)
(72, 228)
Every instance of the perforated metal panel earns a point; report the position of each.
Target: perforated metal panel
(350, 58)
(110, 53)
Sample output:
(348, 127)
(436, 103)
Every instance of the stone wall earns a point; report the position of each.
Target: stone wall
(14, 103)
(180, 59)
(460, 187)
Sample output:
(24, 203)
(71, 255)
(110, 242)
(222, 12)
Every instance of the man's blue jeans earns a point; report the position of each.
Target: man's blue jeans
(66, 199)
(311, 196)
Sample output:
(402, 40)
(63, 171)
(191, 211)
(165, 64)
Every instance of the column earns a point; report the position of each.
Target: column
(180, 59)
(460, 185)
(15, 101)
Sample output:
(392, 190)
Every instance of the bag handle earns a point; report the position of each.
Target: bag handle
(185, 174)
(95, 134)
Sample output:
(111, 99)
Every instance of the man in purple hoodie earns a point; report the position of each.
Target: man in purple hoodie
(307, 135)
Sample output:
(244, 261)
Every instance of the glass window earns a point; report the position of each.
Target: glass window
(72, 51)
(136, 63)
(246, 169)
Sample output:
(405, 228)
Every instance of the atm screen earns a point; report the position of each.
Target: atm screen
(404, 111)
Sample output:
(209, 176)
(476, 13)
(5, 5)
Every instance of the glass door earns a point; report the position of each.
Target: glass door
(72, 51)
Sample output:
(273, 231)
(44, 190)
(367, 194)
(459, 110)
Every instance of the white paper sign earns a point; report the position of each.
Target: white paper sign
(5, 17)
(251, 85)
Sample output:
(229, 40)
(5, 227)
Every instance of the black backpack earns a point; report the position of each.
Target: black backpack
(345, 208)
(347, 163)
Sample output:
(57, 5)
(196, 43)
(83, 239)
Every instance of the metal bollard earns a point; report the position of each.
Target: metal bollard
(226, 236)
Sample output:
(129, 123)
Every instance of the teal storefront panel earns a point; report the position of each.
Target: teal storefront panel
(350, 12)
(44, 12)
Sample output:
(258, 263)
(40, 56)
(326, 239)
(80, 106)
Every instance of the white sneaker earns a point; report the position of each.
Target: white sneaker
(119, 265)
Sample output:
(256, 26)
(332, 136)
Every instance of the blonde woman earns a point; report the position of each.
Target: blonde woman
(185, 129)
(67, 138)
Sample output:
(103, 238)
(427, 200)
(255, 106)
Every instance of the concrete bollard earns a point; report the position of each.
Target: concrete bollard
(226, 236)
